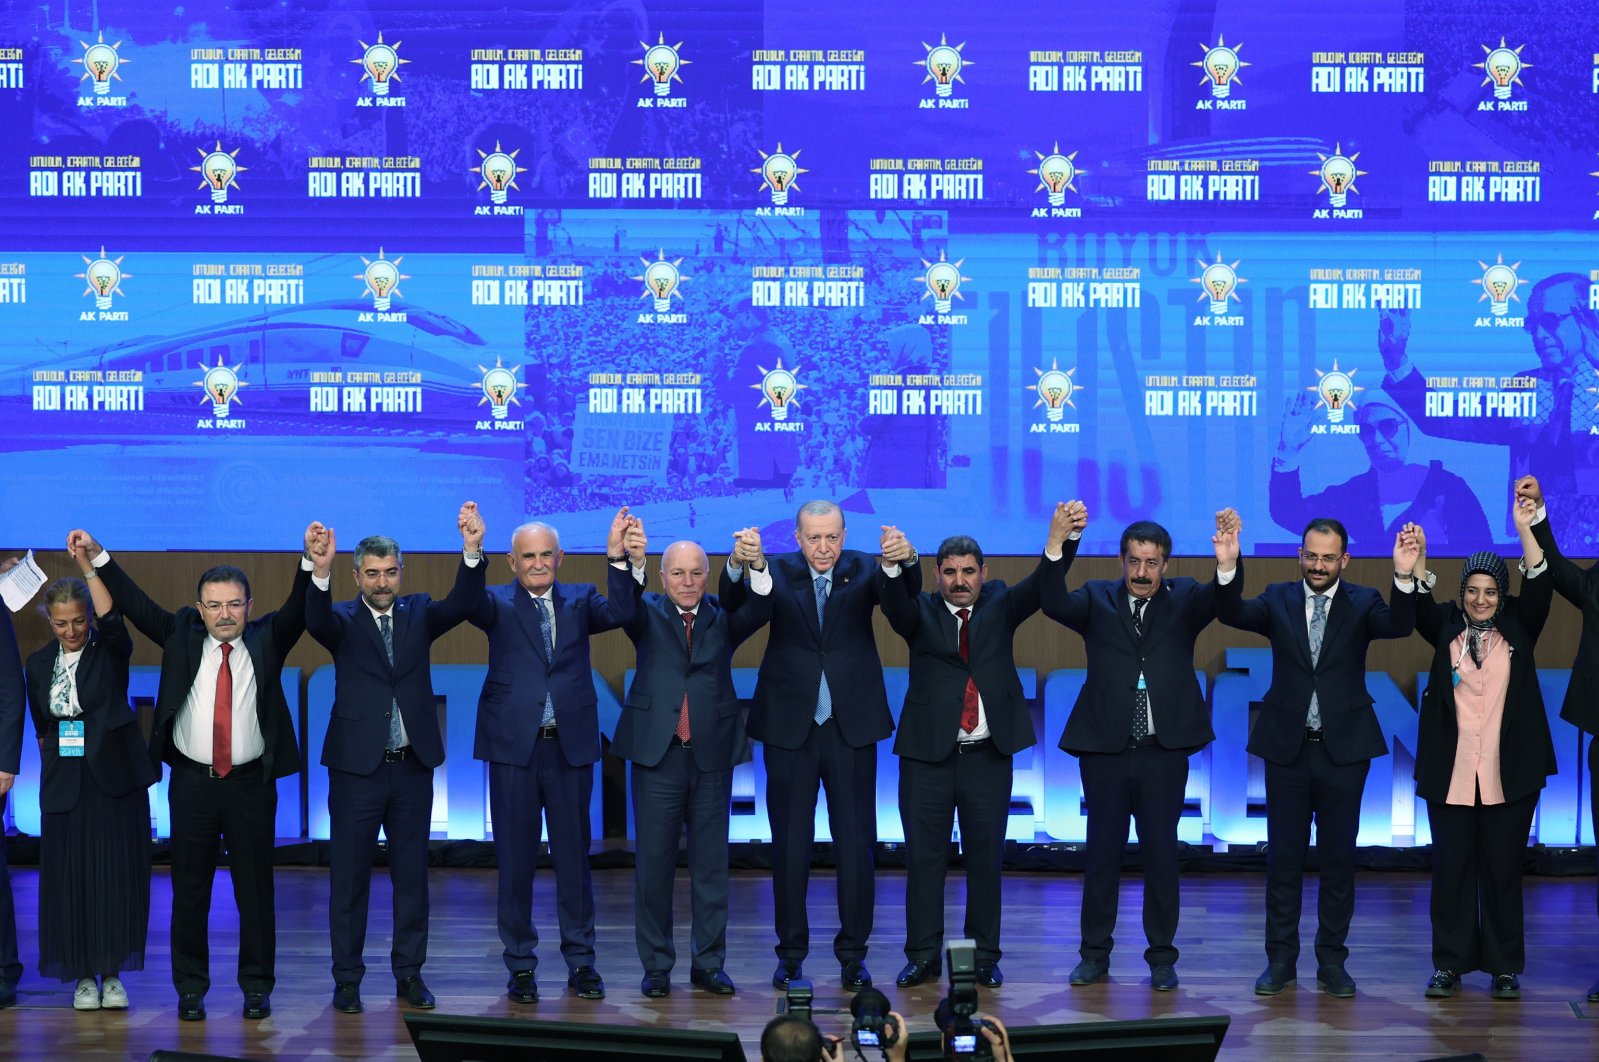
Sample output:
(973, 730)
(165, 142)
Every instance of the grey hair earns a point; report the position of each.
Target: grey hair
(535, 525)
(376, 546)
(819, 507)
(65, 592)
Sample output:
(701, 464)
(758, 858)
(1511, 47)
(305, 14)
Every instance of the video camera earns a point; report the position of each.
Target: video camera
(957, 1012)
(872, 1026)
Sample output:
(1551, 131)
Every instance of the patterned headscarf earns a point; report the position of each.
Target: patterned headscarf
(1483, 563)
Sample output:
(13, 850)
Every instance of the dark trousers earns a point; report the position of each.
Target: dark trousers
(10, 963)
(398, 797)
(238, 811)
(668, 798)
(1476, 885)
(793, 777)
(976, 785)
(1312, 785)
(1145, 785)
(1593, 776)
(518, 796)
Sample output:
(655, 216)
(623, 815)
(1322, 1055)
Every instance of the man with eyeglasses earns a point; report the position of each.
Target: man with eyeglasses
(1552, 443)
(820, 708)
(223, 725)
(1318, 734)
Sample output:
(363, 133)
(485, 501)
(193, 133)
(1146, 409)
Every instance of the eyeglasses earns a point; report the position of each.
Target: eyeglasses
(213, 607)
(1326, 558)
(1388, 426)
(1544, 322)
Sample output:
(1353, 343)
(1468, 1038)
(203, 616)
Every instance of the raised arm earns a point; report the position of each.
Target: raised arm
(12, 697)
(468, 591)
(1570, 581)
(288, 622)
(97, 589)
(1537, 589)
(151, 620)
(896, 595)
(319, 618)
(624, 584)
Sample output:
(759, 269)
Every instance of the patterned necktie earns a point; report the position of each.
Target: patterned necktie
(547, 632)
(969, 697)
(222, 718)
(1141, 694)
(1318, 630)
(682, 713)
(824, 696)
(386, 625)
(60, 689)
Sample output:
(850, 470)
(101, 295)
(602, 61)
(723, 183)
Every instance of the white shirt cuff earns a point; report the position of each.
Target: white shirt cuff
(1224, 578)
(102, 560)
(761, 581)
(322, 582)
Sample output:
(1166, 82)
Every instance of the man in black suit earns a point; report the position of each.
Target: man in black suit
(964, 718)
(683, 731)
(1318, 734)
(382, 744)
(1580, 586)
(538, 729)
(12, 698)
(223, 724)
(1140, 715)
(821, 640)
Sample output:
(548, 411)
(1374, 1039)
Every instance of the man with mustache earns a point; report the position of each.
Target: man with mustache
(964, 718)
(1141, 714)
(223, 724)
(1318, 734)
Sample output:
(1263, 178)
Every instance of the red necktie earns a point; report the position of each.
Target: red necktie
(682, 713)
(222, 718)
(969, 698)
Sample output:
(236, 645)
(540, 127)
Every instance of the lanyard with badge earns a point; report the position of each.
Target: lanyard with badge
(69, 731)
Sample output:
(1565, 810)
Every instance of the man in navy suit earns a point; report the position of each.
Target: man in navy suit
(821, 641)
(963, 720)
(1140, 715)
(223, 724)
(1318, 734)
(383, 743)
(538, 728)
(11, 704)
(683, 732)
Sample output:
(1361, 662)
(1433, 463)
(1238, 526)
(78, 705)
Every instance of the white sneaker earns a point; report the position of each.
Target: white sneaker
(87, 996)
(112, 995)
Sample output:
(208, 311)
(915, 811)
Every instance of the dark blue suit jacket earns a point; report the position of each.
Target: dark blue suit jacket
(114, 751)
(1102, 718)
(799, 649)
(366, 686)
(1356, 616)
(11, 697)
(512, 701)
(666, 669)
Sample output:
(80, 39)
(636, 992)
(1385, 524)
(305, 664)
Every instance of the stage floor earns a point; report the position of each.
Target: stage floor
(1220, 938)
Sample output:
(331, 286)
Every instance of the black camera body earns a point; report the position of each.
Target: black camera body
(957, 1013)
(872, 1026)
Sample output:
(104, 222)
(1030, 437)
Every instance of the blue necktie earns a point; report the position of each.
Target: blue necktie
(548, 634)
(824, 696)
(1141, 694)
(386, 626)
(1318, 630)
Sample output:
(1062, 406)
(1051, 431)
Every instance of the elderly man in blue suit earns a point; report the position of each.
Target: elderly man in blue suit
(538, 728)
(683, 731)
(382, 744)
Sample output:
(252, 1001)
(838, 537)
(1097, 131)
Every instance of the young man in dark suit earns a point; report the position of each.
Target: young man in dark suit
(538, 728)
(1140, 715)
(223, 724)
(964, 718)
(1318, 734)
(819, 711)
(683, 731)
(382, 744)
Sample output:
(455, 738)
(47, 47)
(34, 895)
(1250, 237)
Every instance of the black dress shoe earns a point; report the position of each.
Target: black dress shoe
(787, 970)
(1163, 977)
(1088, 972)
(8, 995)
(1335, 981)
(1276, 978)
(1444, 984)
(257, 1005)
(347, 997)
(521, 988)
(1593, 992)
(413, 992)
(586, 982)
(988, 975)
(918, 971)
(1506, 986)
(656, 985)
(853, 976)
(191, 1007)
(716, 982)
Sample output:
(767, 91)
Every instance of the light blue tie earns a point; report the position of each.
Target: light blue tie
(548, 634)
(1318, 630)
(824, 696)
(385, 624)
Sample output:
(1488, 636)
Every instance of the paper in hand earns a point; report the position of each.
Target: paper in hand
(18, 585)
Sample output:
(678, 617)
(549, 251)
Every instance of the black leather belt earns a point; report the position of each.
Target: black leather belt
(398, 755)
(1312, 735)
(547, 732)
(249, 769)
(963, 747)
(1141, 743)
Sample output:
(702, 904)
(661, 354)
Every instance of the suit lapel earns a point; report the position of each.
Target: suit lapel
(805, 593)
(1340, 614)
(1124, 611)
(528, 613)
(1294, 603)
(362, 615)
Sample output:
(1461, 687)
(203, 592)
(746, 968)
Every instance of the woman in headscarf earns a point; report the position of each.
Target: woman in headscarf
(94, 845)
(1483, 753)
